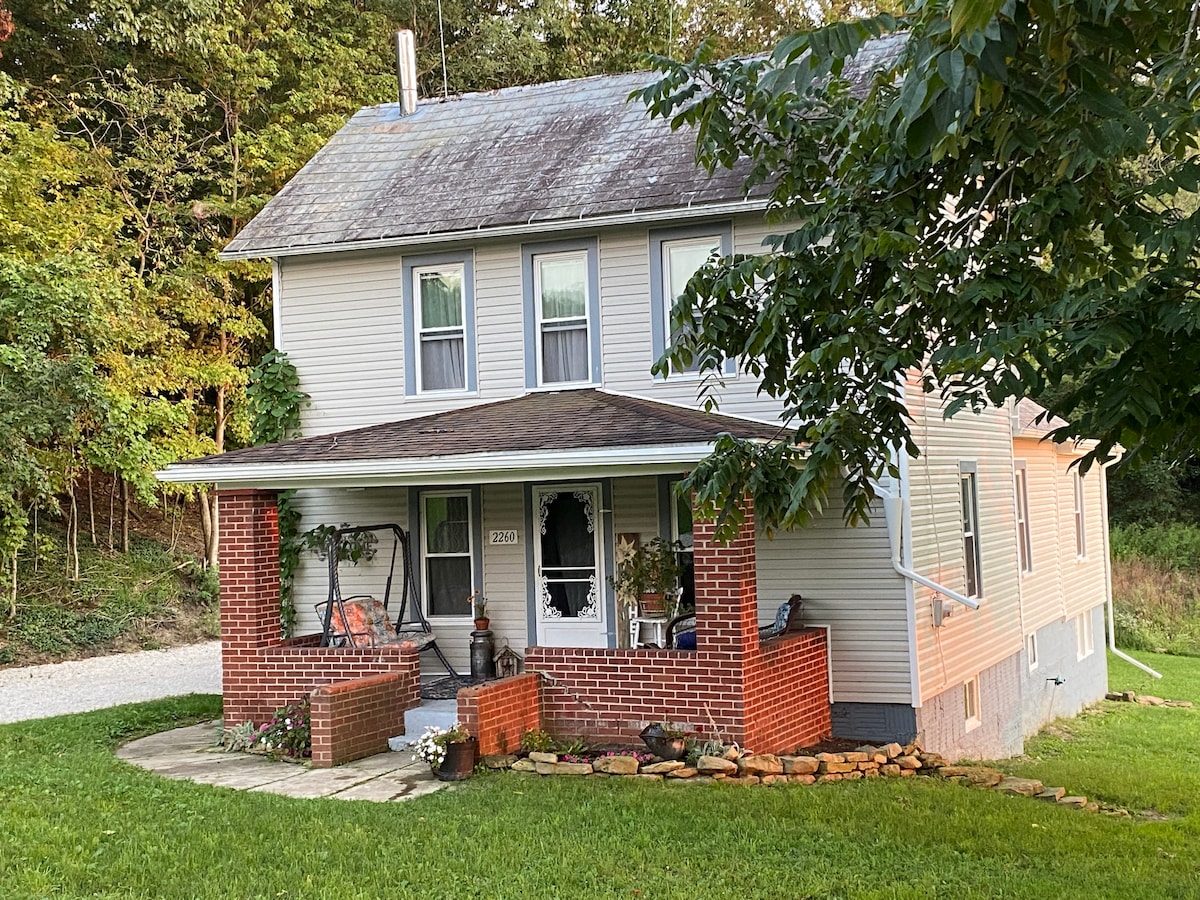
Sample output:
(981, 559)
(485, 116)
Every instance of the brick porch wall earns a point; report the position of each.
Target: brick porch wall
(353, 719)
(770, 697)
(787, 692)
(262, 672)
(500, 712)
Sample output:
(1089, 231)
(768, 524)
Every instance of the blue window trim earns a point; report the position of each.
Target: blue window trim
(659, 308)
(528, 251)
(467, 261)
(416, 508)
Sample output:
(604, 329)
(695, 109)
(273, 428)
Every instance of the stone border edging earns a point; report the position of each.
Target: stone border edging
(735, 767)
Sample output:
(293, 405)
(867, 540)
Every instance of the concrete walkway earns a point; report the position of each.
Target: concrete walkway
(191, 754)
(36, 692)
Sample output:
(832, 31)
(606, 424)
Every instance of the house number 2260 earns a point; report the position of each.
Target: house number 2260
(504, 537)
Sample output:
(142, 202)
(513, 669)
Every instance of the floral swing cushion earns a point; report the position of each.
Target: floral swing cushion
(365, 623)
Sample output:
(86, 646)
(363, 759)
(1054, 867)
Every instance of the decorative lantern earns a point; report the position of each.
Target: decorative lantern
(508, 661)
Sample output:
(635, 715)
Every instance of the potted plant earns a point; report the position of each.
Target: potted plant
(665, 739)
(479, 611)
(450, 752)
(648, 573)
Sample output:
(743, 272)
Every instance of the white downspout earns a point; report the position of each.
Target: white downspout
(893, 513)
(1112, 629)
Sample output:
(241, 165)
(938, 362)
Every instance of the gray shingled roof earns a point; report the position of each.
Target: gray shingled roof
(558, 152)
(547, 420)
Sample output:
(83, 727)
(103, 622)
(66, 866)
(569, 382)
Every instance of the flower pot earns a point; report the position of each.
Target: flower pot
(459, 761)
(652, 606)
(482, 623)
(663, 745)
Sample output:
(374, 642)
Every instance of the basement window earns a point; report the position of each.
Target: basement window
(971, 703)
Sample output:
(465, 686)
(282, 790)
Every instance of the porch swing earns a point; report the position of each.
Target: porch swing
(361, 620)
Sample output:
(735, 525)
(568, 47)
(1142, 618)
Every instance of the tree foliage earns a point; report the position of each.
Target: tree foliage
(998, 208)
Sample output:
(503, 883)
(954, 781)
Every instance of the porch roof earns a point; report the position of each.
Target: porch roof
(547, 434)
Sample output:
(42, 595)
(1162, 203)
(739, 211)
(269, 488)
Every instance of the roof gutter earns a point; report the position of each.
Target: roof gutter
(539, 227)
(475, 468)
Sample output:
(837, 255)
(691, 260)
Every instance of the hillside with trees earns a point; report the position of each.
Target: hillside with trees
(136, 138)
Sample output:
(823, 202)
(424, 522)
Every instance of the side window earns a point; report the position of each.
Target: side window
(969, 490)
(1084, 638)
(447, 553)
(439, 332)
(675, 255)
(1080, 515)
(562, 314)
(1024, 536)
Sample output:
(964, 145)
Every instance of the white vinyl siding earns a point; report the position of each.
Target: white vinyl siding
(629, 322)
(969, 641)
(1061, 585)
(341, 320)
(847, 580)
(342, 324)
(336, 507)
(504, 565)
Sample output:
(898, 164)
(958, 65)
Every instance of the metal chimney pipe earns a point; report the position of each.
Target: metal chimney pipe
(406, 71)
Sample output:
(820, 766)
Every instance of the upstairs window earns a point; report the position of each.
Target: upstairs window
(969, 490)
(562, 314)
(439, 316)
(441, 332)
(1024, 538)
(675, 256)
(560, 289)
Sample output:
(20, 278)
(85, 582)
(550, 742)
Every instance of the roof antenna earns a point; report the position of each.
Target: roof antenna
(442, 40)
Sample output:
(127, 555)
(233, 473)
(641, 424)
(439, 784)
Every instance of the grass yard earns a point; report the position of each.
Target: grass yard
(75, 822)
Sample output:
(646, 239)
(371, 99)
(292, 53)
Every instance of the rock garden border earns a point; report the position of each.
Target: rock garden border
(737, 766)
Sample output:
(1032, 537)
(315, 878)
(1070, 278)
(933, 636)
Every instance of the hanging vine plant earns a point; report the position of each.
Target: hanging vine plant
(275, 402)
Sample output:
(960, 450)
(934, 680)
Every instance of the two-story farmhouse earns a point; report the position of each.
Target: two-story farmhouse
(473, 293)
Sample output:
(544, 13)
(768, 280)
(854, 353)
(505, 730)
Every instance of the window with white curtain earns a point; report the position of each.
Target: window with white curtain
(447, 553)
(441, 329)
(439, 323)
(560, 294)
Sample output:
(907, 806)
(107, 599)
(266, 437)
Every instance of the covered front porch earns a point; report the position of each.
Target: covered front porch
(496, 521)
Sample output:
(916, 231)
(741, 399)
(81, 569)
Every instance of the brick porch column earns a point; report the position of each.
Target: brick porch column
(726, 587)
(249, 569)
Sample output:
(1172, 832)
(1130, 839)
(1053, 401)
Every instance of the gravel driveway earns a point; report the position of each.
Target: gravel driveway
(36, 692)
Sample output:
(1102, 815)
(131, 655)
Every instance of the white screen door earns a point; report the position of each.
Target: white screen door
(569, 595)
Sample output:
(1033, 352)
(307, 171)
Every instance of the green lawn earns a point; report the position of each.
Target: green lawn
(75, 822)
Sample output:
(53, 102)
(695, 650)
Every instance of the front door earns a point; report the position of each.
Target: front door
(569, 593)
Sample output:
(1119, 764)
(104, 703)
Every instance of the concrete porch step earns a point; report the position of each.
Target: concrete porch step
(438, 713)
